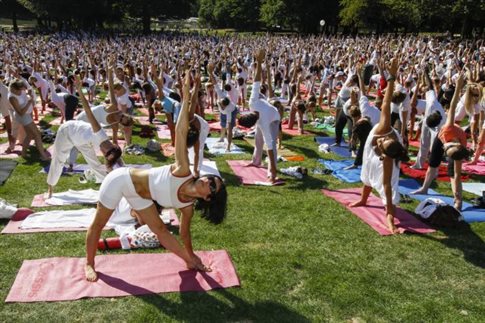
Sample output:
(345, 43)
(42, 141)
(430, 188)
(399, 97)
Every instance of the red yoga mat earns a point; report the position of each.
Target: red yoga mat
(215, 126)
(62, 279)
(478, 169)
(374, 214)
(421, 173)
(250, 175)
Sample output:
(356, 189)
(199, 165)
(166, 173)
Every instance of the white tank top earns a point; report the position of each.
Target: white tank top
(164, 187)
(21, 99)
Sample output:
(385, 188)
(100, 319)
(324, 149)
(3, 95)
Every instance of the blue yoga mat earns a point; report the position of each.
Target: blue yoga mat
(345, 175)
(470, 213)
(343, 150)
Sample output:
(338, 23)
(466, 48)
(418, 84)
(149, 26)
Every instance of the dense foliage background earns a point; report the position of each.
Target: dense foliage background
(457, 16)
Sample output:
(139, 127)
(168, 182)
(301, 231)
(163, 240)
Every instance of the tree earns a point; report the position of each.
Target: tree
(14, 9)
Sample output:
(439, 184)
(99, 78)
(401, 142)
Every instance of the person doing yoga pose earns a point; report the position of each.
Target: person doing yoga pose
(170, 186)
(382, 152)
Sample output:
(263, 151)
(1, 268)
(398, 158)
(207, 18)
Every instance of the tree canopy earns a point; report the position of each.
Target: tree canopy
(296, 15)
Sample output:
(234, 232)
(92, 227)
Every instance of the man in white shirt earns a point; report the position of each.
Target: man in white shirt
(267, 120)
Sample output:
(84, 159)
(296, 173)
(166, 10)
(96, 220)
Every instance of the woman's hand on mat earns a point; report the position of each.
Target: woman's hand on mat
(91, 275)
(196, 263)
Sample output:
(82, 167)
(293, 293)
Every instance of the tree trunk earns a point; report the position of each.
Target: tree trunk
(14, 21)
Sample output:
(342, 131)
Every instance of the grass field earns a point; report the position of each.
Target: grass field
(300, 257)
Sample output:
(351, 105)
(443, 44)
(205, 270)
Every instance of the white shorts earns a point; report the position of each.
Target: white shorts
(118, 184)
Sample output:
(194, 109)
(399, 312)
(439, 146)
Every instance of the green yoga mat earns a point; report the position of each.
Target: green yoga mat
(6, 168)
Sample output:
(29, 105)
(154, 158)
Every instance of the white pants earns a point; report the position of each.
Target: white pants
(274, 129)
(62, 149)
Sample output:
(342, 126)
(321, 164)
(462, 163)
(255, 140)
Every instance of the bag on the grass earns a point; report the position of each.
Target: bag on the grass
(436, 212)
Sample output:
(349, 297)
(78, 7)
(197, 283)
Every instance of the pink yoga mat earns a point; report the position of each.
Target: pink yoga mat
(215, 126)
(15, 154)
(374, 214)
(163, 132)
(13, 226)
(56, 121)
(62, 279)
(478, 169)
(251, 175)
(292, 132)
(143, 120)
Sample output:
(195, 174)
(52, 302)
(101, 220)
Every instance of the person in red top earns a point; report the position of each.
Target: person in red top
(451, 141)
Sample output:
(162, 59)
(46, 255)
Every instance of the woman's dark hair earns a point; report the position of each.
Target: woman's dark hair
(192, 136)
(240, 81)
(112, 156)
(460, 153)
(398, 97)
(248, 120)
(214, 210)
(396, 151)
(300, 105)
(175, 96)
(355, 78)
(227, 87)
(434, 119)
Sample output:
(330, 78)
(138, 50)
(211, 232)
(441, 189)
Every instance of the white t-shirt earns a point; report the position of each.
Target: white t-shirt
(461, 111)
(367, 110)
(100, 114)
(267, 112)
(81, 133)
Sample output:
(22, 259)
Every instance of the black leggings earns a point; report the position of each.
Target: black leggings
(361, 130)
(341, 121)
(71, 106)
(436, 156)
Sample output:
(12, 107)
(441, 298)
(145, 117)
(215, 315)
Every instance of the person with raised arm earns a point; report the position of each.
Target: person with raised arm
(267, 120)
(451, 143)
(83, 136)
(382, 152)
(171, 186)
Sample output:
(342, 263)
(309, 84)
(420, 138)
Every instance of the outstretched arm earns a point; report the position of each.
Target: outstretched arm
(181, 130)
(385, 120)
(456, 96)
(113, 107)
(92, 120)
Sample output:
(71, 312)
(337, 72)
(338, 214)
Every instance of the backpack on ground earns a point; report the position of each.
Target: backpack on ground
(437, 213)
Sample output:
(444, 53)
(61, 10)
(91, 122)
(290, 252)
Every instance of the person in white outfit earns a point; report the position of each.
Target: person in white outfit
(382, 152)
(266, 117)
(170, 186)
(84, 137)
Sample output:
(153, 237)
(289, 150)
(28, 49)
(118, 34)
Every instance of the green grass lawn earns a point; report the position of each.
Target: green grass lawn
(300, 257)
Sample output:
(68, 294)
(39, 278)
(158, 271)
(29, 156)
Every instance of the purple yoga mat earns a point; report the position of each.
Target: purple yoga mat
(374, 214)
(62, 279)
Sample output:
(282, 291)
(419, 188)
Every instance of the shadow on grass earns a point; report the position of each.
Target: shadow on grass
(203, 306)
(464, 239)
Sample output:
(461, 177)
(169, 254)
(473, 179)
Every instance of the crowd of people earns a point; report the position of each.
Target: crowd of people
(385, 90)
